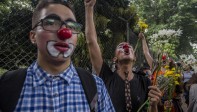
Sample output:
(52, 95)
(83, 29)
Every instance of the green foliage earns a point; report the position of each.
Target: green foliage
(171, 14)
(2, 71)
(165, 41)
(15, 26)
(111, 18)
(15, 17)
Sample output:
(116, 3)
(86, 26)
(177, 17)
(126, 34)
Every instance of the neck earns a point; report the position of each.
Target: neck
(54, 67)
(122, 69)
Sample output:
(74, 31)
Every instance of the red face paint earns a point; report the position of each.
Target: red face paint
(64, 33)
(164, 57)
(126, 48)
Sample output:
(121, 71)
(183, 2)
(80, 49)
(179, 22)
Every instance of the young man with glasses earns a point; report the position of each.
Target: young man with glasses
(52, 82)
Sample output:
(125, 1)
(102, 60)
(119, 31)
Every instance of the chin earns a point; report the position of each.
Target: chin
(125, 61)
(60, 60)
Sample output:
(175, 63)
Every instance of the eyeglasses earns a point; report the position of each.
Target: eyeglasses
(54, 25)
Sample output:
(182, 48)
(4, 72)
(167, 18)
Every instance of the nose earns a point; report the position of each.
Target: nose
(64, 33)
(126, 46)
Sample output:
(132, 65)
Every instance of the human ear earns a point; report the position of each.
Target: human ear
(32, 37)
(115, 59)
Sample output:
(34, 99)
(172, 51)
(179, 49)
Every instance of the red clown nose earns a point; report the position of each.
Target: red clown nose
(126, 46)
(164, 57)
(64, 33)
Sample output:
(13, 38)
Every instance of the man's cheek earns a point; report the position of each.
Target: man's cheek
(119, 52)
(46, 36)
(42, 42)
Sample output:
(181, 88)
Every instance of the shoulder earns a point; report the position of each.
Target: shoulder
(105, 72)
(193, 90)
(86, 75)
(193, 86)
(143, 79)
(105, 69)
(11, 75)
(139, 75)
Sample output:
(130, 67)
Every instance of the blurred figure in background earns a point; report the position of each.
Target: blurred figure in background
(192, 83)
(145, 71)
(187, 74)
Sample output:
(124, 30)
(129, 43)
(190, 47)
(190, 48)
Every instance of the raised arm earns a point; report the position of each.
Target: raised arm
(91, 36)
(146, 52)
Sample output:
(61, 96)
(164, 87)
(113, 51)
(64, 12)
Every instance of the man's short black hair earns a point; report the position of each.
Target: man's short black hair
(45, 3)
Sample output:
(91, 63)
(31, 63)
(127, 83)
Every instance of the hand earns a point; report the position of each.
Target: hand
(141, 35)
(154, 95)
(89, 3)
(168, 104)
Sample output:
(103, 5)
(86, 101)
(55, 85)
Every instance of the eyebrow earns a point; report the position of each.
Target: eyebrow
(53, 16)
(70, 20)
(120, 45)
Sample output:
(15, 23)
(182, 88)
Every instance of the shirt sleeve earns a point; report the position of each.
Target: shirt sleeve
(104, 101)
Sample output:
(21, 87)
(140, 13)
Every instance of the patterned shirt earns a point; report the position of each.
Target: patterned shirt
(43, 92)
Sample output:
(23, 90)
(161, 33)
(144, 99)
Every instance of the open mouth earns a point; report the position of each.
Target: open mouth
(126, 51)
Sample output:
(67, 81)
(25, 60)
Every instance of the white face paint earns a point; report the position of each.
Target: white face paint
(70, 50)
(55, 52)
(51, 49)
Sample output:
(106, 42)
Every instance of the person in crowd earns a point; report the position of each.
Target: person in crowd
(187, 74)
(52, 82)
(145, 71)
(146, 52)
(166, 64)
(173, 97)
(192, 93)
(127, 90)
(151, 62)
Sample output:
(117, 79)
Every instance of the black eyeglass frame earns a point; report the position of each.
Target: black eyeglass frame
(62, 23)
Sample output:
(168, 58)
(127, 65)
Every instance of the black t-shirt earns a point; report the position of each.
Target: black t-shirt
(116, 88)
